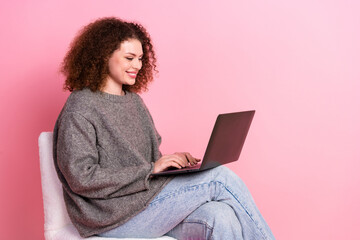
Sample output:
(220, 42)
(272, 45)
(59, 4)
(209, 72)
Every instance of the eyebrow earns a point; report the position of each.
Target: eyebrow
(133, 54)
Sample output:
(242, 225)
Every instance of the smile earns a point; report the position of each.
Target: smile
(132, 74)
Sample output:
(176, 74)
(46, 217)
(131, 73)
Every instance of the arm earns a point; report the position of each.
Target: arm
(78, 161)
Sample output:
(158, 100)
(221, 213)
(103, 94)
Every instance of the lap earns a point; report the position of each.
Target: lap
(179, 198)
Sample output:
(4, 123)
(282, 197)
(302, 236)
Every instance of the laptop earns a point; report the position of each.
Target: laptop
(225, 144)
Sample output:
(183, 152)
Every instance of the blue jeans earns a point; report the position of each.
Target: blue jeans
(213, 204)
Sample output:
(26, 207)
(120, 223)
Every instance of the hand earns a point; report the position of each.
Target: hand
(177, 160)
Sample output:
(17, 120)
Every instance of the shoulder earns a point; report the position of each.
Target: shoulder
(81, 102)
(83, 97)
(137, 100)
(135, 96)
(142, 107)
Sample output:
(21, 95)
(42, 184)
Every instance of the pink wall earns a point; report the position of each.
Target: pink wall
(295, 62)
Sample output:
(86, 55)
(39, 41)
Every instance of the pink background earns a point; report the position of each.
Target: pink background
(295, 62)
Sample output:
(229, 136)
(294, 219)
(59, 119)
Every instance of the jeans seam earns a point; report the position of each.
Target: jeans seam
(244, 207)
(203, 223)
(180, 191)
(199, 222)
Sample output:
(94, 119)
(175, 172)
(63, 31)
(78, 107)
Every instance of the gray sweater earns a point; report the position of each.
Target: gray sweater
(104, 151)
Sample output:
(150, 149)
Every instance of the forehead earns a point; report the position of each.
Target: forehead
(131, 46)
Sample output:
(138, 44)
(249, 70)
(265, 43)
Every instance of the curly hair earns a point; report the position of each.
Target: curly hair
(86, 62)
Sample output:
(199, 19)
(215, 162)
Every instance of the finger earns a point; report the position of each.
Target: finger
(175, 164)
(191, 159)
(175, 158)
(171, 163)
(164, 164)
(181, 159)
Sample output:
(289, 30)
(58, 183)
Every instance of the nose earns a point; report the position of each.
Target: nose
(137, 64)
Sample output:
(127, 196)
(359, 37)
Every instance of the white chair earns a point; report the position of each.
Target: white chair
(57, 224)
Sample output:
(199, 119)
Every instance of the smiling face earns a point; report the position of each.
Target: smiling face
(124, 64)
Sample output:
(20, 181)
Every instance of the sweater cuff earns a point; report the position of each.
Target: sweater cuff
(148, 176)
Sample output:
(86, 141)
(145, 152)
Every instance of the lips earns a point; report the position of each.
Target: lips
(132, 74)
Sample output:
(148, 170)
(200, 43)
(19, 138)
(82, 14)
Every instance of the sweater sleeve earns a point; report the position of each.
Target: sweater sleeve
(78, 161)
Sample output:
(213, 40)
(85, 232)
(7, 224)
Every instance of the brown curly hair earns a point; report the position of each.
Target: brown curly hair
(86, 62)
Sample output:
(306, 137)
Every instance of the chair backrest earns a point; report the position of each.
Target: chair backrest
(55, 214)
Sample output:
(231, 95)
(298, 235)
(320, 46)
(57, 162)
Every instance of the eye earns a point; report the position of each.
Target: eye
(140, 59)
(129, 58)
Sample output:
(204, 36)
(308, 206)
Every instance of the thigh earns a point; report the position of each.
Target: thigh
(186, 193)
(179, 198)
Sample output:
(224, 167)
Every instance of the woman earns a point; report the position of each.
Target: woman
(106, 147)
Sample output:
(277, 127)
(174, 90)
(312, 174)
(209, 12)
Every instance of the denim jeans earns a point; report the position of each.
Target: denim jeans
(213, 204)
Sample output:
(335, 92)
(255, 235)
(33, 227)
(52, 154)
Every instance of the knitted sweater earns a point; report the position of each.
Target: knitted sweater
(104, 151)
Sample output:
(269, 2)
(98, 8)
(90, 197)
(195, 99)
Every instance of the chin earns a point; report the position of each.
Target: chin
(131, 82)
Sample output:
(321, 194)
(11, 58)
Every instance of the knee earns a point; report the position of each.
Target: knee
(224, 174)
(224, 171)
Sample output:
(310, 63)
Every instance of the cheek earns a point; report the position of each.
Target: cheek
(116, 68)
(113, 70)
(123, 66)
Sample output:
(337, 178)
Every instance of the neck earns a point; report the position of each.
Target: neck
(113, 88)
(119, 93)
